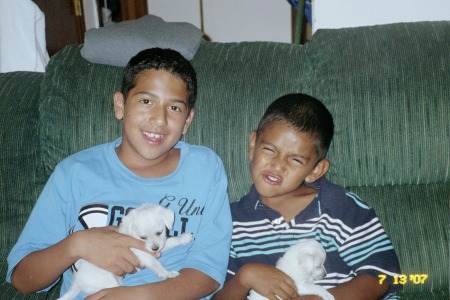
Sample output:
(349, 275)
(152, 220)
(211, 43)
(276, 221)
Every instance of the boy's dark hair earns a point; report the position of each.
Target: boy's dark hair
(160, 59)
(304, 113)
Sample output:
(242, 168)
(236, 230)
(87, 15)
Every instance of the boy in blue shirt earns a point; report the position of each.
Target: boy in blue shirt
(77, 214)
(290, 200)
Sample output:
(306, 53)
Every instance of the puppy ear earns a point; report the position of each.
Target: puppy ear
(307, 263)
(127, 223)
(168, 217)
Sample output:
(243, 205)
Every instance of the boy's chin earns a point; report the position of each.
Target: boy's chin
(266, 191)
(269, 192)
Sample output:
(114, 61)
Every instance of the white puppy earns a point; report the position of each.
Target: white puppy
(148, 223)
(303, 262)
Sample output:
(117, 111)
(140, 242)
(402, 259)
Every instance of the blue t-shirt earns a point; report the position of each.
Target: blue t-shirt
(346, 227)
(94, 188)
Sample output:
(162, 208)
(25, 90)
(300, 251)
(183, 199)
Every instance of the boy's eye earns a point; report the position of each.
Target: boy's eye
(175, 108)
(145, 101)
(297, 161)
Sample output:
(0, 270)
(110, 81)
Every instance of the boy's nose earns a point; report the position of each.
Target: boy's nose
(158, 116)
(278, 164)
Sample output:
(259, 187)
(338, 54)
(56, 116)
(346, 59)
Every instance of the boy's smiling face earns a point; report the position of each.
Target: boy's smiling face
(282, 158)
(155, 116)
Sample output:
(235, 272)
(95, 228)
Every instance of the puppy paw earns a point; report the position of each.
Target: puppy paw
(186, 238)
(170, 274)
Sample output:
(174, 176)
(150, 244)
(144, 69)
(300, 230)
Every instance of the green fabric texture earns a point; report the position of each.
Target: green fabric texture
(416, 220)
(21, 176)
(387, 87)
(20, 151)
(76, 106)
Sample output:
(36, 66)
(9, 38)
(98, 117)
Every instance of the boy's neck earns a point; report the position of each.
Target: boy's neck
(150, 169)
(289, 206)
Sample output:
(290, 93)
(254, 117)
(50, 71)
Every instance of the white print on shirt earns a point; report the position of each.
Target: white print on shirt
(100, 214)
(185, 206)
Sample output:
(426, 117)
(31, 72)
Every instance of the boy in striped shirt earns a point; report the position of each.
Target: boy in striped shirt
(290, 200)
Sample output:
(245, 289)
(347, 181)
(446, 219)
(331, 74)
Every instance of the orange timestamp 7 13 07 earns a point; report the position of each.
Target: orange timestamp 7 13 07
(403, 279)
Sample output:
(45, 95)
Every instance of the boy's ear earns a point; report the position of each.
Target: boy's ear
(119, 105)
(189, 119)
(251, 144)
(319, 170)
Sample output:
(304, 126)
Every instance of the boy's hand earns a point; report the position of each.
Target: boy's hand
(108, 249)
(268, 281)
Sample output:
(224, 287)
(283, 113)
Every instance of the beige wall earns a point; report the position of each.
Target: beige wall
(353, 13)
(230, 20)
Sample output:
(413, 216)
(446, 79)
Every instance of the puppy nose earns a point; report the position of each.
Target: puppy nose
(155, 248)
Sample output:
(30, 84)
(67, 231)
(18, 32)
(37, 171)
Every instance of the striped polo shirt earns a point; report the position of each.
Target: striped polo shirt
(346, 227)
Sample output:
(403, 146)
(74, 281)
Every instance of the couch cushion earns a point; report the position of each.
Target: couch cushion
(76, 105)
(416, 219)
(19, 163)
(388, 89)
(21, 176)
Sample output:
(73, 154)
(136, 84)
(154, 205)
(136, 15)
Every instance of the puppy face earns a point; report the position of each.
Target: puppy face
(318, 258)
(311, 266)
(305, 259)
(148, 223)
(318, 270)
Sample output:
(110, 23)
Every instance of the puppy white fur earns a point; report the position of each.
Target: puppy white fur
(148, 223)
(303, 262)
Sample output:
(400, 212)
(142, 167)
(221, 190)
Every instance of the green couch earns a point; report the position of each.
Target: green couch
(388, 88)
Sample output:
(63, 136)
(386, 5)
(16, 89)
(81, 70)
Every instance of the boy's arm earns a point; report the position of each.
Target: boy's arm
(362, 287)
(41, 268)
(233, 289)
(190, 284)
(267, 280)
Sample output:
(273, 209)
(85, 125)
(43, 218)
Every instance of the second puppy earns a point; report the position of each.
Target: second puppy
(303, 262)
(147, 223)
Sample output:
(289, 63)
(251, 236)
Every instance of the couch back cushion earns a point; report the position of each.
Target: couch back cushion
(387, 87)
(21, 179)
(76, 105)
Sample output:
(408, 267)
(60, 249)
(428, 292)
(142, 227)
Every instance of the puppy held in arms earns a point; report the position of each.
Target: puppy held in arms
(303, 262)
(147, 223)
